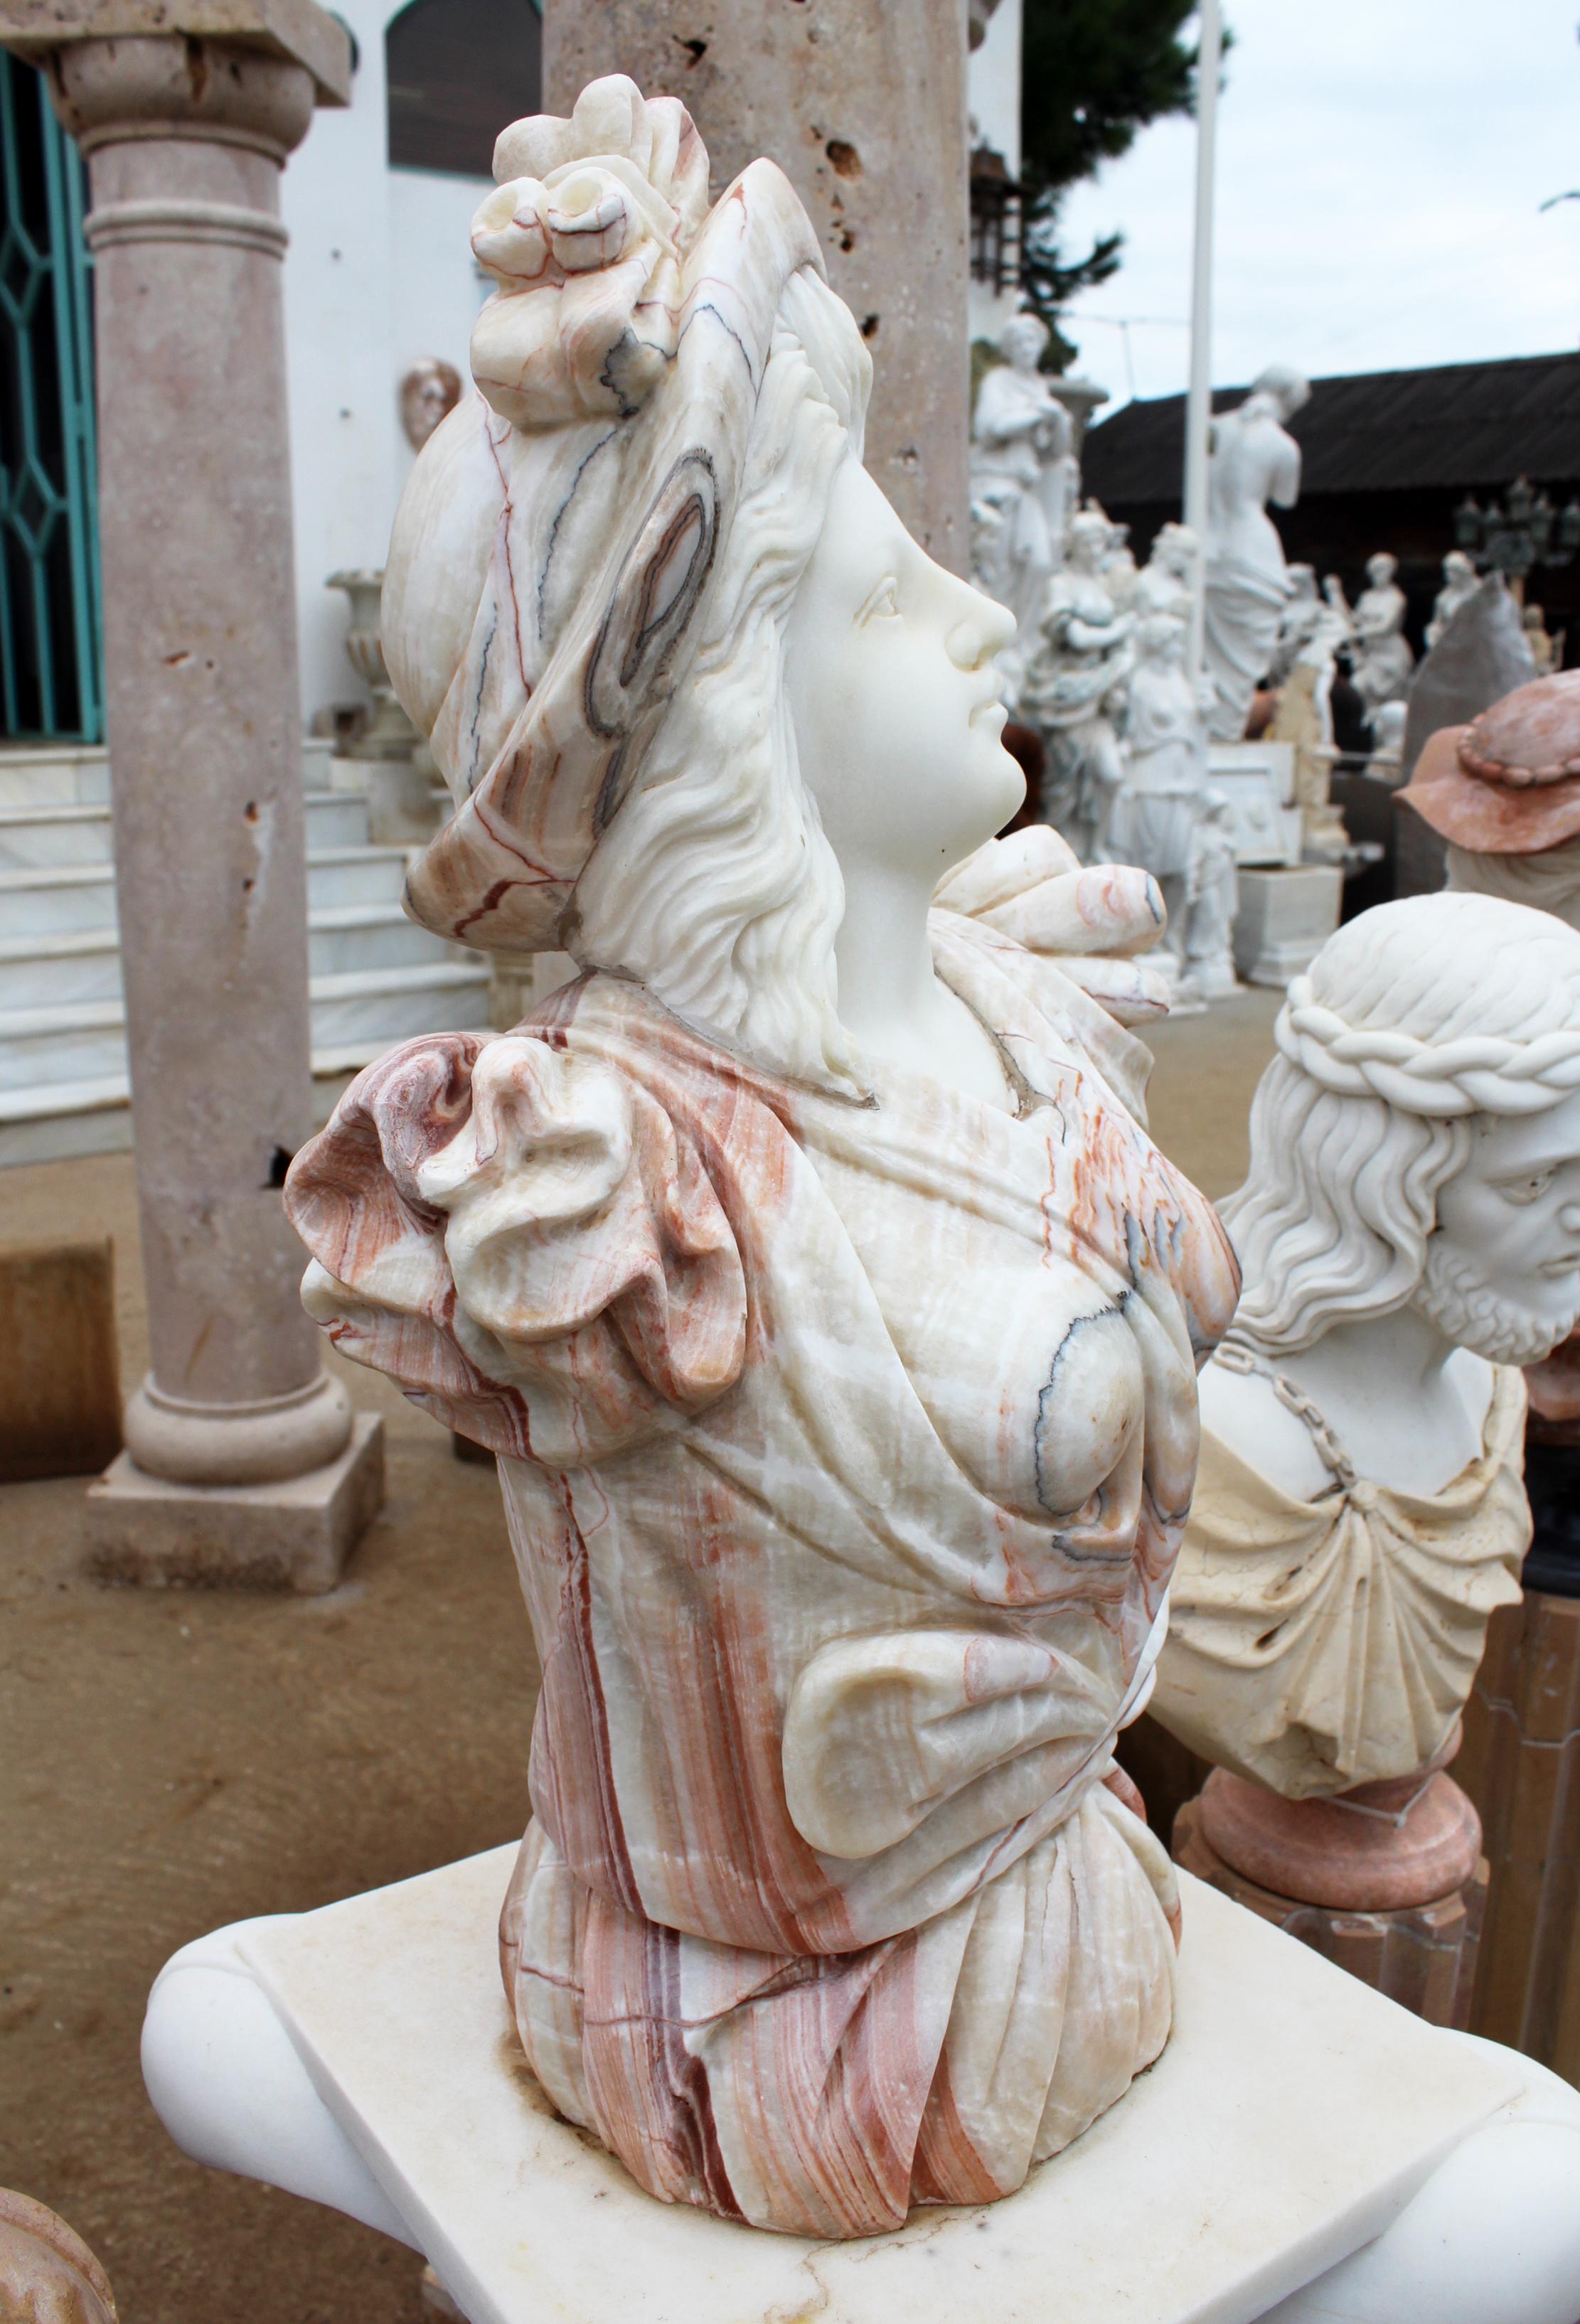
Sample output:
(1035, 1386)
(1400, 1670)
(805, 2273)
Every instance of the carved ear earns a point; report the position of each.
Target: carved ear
(651, 603)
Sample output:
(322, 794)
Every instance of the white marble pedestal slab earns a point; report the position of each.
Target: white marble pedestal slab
(1291, 2116)
(1285, 918)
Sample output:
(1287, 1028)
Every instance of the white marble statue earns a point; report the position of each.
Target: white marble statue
(808, 1266)
(1023, 469)
(1152, 812)
(1212, 899)
(1410, 1232)
(1298, 623)
(1383, 661)
(1121, 574)
(839, 1605)
(1460, 582)
(1254, 460)
(1074, 684)
(1171, 575)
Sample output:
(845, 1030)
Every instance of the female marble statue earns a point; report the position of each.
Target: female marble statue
(1460, 582)
(1253, 460)
(1169, 581)
(1410, 1232)
(1022, 465)
(1074, 684)
(806, 1262)
(1383, 660)
(1153, 814)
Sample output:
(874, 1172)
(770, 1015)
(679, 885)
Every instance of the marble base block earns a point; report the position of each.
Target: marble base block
(292, 1535)
(1289, 2119)
(1421, 1956)
(1285, 918)
(1520, 1764)
(1258, 781)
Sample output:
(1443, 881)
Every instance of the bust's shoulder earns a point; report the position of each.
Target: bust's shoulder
(1242, 1411)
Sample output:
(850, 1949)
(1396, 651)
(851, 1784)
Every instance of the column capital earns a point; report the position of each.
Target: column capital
(292, 31)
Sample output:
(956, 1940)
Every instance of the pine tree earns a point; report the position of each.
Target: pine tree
(1093, 72)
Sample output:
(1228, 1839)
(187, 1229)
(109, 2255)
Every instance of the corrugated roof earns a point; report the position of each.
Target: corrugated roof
(1454, 427)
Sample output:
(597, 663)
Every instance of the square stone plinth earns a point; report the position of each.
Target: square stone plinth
(1285, 918)
(1292, 2115)
(295, 1535)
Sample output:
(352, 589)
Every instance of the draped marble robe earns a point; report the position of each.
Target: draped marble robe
(1318, 1645)
(846, 1450)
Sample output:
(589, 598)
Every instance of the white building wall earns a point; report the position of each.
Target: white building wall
(377, 273)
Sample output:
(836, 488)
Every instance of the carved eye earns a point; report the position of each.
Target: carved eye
(1528, 1190)
(883, 604)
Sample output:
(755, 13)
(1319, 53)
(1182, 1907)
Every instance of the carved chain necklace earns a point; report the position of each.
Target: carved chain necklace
(1236, 1357)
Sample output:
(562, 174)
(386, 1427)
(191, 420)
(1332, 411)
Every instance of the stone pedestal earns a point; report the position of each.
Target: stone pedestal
(1387, 1881)
(1289, 2119)
(389, 761)
(1258, 779)
(1285, 918)
(185, 136)
(864, 108)
(1520, 1764)
(1422, 1956)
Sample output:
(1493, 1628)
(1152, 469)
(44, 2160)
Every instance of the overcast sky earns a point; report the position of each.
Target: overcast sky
(1382, 165)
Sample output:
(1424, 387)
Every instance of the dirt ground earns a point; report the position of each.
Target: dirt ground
(169, 1761)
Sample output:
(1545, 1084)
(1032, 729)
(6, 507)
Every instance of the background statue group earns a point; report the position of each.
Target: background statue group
(1098, 667)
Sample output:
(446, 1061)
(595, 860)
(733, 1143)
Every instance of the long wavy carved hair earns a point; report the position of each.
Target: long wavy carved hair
(715, 884)
(1332, 1221)
(1458, 1007)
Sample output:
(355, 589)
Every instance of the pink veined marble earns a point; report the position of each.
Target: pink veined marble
(847, 1414)
(825, 1908)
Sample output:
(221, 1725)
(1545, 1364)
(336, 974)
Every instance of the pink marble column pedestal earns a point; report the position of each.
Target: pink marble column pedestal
(1387, 1881)
(243, 1461)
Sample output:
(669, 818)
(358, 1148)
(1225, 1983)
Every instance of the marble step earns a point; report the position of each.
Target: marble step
(53, 901)
(43, 837)
(85, 1041)
(77, 774)
(68, 775)
(56, 1122)
(85, 963)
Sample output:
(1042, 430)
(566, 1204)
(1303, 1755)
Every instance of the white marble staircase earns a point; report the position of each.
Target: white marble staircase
(375, 977)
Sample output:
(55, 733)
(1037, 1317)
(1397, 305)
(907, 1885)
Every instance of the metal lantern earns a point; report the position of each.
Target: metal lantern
(997, 202)
(1522, 532)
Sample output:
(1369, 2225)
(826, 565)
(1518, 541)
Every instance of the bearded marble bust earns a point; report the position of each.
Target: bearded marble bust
(1410, 1232)
(806, 1262)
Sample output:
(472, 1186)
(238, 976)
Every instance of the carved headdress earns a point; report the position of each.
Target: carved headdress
(1508, 784)
(556, 541)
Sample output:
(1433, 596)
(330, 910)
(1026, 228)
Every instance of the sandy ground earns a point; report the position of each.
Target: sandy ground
(172, 1761)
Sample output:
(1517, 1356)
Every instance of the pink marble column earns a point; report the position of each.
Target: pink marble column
(243, 1461)
(862, 103)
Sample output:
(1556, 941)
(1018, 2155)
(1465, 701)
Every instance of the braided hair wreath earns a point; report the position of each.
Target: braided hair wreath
(1476, 1074)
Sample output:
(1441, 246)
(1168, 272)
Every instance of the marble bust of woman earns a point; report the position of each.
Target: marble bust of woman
(806, 1261)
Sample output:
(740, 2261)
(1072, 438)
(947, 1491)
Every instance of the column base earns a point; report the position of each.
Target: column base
(292, 1533)
(1422, 1956)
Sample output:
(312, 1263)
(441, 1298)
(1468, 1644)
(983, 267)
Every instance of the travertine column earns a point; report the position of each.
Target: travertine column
(863, 103)
(242, 1459)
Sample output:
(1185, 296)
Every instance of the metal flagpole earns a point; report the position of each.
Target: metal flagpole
(1198, 409)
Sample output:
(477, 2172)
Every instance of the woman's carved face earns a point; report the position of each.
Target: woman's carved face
(894, 695)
